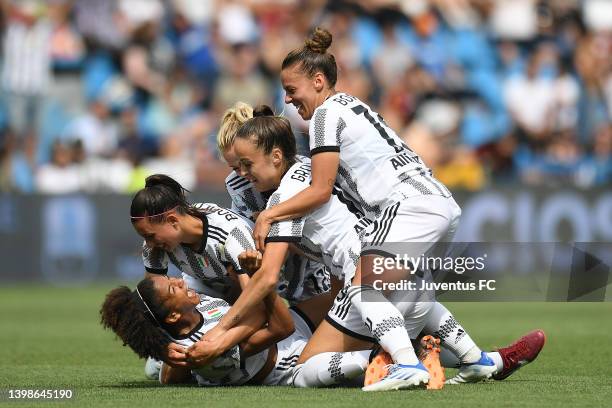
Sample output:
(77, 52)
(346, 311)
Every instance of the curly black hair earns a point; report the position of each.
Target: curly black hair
(125, 313)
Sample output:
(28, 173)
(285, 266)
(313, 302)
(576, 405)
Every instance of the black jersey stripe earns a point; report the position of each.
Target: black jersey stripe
(390, 222)
(352, 185)
(215, 228)
(236, 180)
(232, 179)
(217, 236)
(220, 241)
(382, 225)
(350, 205)
(242, 184)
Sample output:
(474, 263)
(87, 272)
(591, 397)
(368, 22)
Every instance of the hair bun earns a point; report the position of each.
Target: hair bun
(154, 180)
(262, 110)
(319, 42)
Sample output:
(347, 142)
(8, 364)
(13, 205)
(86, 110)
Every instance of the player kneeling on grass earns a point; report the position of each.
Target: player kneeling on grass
(163, 310)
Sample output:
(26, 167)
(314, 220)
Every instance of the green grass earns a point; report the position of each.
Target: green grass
(50, 338)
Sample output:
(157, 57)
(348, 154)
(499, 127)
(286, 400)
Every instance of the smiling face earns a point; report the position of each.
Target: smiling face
(263, 170)
(174, 294)
(305, 93)
(165, 235)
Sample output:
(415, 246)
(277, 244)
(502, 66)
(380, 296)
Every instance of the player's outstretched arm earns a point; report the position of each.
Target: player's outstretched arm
(324, 171)
(261, 284)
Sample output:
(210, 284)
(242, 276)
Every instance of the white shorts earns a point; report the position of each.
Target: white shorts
(347, 319)
(409, 227)
(412, 226)
(289, 351)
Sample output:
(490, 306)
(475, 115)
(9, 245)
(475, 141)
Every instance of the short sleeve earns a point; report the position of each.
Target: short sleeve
(284, 231)
(155, 260)
(326, 131)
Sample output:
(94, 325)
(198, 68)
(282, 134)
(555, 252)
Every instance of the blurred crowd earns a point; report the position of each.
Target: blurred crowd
(97, 94)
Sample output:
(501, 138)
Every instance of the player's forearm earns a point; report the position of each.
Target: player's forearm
(302, 203)
(259, 286)
(280, 321)
(237, 334)
(280, 326)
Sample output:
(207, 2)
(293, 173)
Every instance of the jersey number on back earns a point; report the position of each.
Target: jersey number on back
(360, 109)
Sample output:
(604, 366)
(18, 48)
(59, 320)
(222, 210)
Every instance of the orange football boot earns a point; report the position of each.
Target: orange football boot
(378, 367)
(429, 354)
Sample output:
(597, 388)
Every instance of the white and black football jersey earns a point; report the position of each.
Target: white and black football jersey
(301, 278)
(226, 236)
(329, 234)
(246, 200)
(376, 168)
(229, 368)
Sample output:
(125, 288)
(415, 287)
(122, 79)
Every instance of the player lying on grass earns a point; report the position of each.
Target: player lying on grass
(266, 147)
(163, 310)
(301, 278)
(203, 241)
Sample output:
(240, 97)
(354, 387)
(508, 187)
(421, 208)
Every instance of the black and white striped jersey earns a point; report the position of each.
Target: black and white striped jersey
(229, 368)
(376, 168)
(246, 200)
(301, 278)
(226, 236)
(329, 234)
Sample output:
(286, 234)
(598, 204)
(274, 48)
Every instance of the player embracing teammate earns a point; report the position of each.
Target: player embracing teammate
(362, 162)
(359, 165)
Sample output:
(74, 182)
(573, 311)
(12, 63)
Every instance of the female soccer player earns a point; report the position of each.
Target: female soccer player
(303, 277)
(266, 148)
(362, 161)
(163, 309)
(201, 240)
(358, 157)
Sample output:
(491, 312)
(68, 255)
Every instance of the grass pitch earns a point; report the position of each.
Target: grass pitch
(51, 338)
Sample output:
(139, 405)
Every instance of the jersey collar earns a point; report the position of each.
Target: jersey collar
(192, 331)
(204, 219)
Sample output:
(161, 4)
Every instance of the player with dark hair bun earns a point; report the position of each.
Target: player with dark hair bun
(202, 240)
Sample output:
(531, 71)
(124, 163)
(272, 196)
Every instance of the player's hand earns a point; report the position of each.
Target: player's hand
(176, 355)
(262, 227)
(203, 352)
(250, 261)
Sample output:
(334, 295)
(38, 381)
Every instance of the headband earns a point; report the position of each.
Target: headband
(147, 306)
(154, 215)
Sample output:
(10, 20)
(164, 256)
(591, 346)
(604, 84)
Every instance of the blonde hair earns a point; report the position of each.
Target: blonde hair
(233, 118)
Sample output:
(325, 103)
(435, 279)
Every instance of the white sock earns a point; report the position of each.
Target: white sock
(442, 324)
(385, 322)
(449, 360)
(327, 369)
(496, 357)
